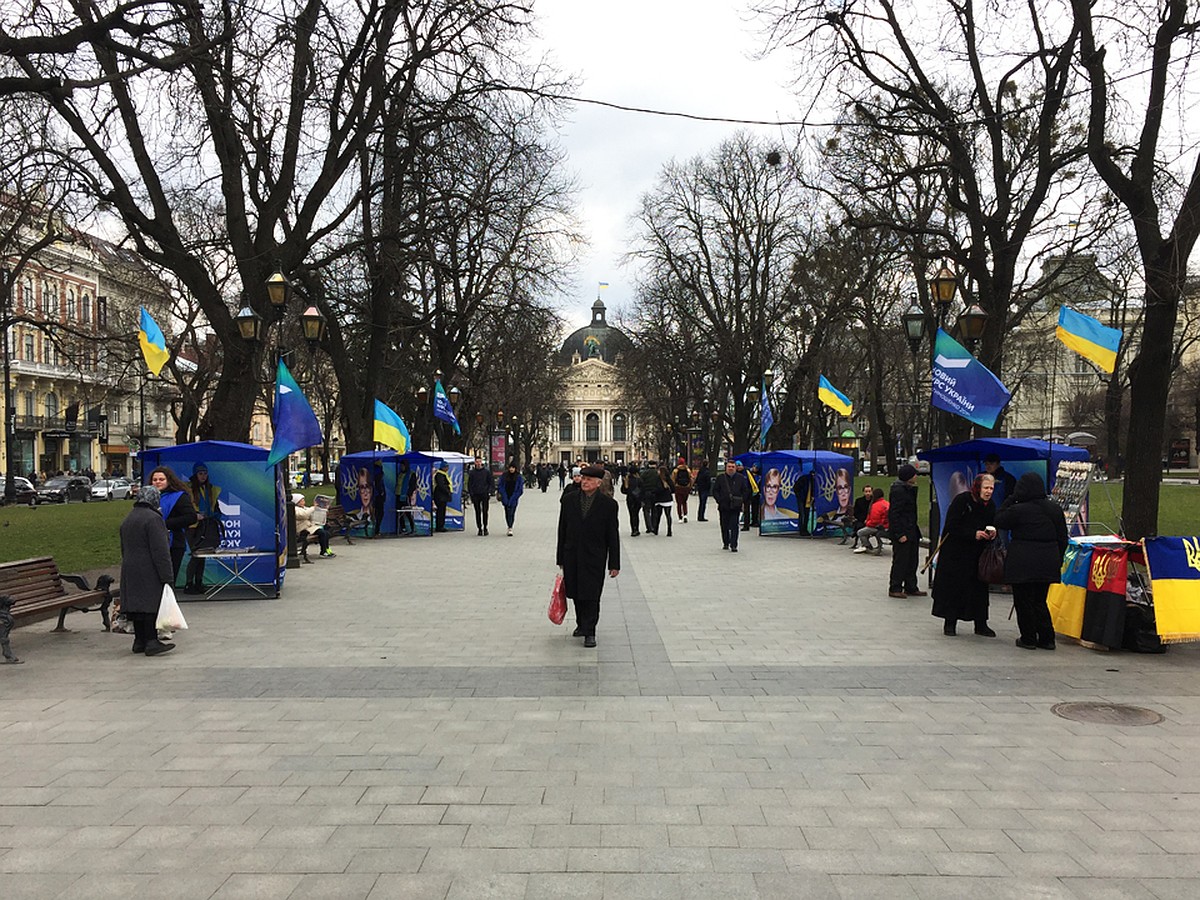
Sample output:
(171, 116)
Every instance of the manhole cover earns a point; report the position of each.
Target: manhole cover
(1106, 713)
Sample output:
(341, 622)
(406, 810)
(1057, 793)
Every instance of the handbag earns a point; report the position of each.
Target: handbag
(170, 617)
(991, 562)
(558, 601)
(208, 533)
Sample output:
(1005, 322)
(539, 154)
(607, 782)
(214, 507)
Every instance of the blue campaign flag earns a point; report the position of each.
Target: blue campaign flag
(296, 425)
(442, 408)
(965, 386)
(767, 418)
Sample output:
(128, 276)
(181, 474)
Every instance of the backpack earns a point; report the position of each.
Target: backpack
(683, 477)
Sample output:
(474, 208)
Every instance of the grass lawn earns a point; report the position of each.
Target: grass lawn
(84, 536)
(80, 536)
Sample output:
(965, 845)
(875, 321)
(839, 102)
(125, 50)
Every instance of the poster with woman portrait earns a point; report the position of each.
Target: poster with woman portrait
(781, 500)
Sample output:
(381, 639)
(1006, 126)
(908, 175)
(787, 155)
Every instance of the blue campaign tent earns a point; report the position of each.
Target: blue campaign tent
(250, 498)
(808, 494)
(413, 472)
(953, 468)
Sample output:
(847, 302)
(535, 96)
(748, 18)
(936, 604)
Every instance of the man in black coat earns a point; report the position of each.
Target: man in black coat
(480, 485)
(588, 542)
(905, 534)
(730, 490)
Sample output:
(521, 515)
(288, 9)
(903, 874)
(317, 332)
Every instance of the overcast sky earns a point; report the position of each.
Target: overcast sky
(691, 56)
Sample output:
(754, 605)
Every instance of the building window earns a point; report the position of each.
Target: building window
(566, 431)
(51, 405)
(49, 300)
(618, 428)
(30, 299)
(29, 404)
(85, 308)
(116, 415)
(592, 428)
(29, 348)
(72, 311)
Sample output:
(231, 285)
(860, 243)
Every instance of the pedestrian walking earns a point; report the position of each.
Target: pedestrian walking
(905, 534)
(665, 499)
(631, 487)
(703, 489)
(681, 484)
(146, 566)
(588, 544)
(729, 493)
(480, 487)
(650, 490)
(562, 476)
(512, 485)
(958, 591)
(1037, 541)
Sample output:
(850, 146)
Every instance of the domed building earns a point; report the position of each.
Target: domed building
(593, 421)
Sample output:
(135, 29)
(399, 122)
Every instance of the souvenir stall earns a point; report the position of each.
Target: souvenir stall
(802, 492)
(953, 470)
(1118, 594)
(387, 491)
(249, 555)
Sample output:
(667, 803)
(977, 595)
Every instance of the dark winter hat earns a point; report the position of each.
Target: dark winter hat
(592, 471)
(199, 467)
(906, 473)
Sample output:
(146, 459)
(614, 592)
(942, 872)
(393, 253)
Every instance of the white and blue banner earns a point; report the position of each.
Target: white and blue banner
(964, 386)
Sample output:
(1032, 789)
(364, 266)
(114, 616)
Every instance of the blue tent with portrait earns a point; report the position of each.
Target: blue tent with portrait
(801, 492)
(953, 468)
(251, 504)
(393, 489)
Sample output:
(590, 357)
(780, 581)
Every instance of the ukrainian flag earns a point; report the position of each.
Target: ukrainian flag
(154, 345)
(1087, 337)
(1068, 599)
(1174, 564)
(833, 398)
(390, 429)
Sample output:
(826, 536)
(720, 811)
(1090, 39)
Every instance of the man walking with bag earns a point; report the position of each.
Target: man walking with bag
(588, 543)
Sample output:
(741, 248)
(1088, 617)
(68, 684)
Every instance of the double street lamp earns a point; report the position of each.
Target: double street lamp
(253, 330)
(428, 400)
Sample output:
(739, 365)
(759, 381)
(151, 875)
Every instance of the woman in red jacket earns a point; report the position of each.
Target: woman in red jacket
(877, 523)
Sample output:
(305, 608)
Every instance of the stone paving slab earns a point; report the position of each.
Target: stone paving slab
(405, 722)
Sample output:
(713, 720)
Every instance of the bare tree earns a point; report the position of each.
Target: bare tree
(1161, 195)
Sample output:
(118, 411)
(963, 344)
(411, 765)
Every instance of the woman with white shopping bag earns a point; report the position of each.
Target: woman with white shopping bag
(145, 570)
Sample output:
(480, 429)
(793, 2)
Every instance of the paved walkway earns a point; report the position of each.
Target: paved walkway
(405, 723)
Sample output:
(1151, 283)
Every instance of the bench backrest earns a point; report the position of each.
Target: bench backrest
(31, 580)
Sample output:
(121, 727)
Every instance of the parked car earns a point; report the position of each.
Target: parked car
(110, 489)
(123, 488)
(62, 488)
(25, 490)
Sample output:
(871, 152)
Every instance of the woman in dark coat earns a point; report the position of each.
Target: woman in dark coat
(958, 593)
(145, 568)
(588, 545)
(175, 504)
(1036, 546)
(509, 491)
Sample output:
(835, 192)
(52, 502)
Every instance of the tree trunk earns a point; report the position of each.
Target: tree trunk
(1113, 396)
(1149, 384)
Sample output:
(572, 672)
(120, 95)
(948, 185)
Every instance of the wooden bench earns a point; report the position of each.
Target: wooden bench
(342, 524)
(31, 587)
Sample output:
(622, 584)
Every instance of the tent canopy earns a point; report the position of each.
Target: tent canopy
(212, 451)
(808, 459)
(389, 456)
(1006, 449)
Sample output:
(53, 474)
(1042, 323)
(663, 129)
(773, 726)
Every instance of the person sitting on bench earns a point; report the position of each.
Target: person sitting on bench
(877, 524)
(306, 523)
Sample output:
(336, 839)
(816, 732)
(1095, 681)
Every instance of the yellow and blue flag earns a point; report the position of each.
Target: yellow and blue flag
(833, 398)
(154, 345)
(296, 425)
(1067, 600)
(1087, 337)
(1174, 564)
(390, 429)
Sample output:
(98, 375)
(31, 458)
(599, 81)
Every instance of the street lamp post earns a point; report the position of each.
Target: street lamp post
(428, 400)
(757, 397)
(10, 409)
(253, 330)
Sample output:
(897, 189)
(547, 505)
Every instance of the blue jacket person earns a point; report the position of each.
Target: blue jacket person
(588, 543)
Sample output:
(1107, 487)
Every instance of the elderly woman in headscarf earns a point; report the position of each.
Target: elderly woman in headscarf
(145, 568)
(958, 592)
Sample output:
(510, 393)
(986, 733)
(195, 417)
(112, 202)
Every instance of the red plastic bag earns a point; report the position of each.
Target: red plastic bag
(558, 602)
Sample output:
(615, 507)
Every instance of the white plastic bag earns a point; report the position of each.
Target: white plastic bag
(170, 618)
